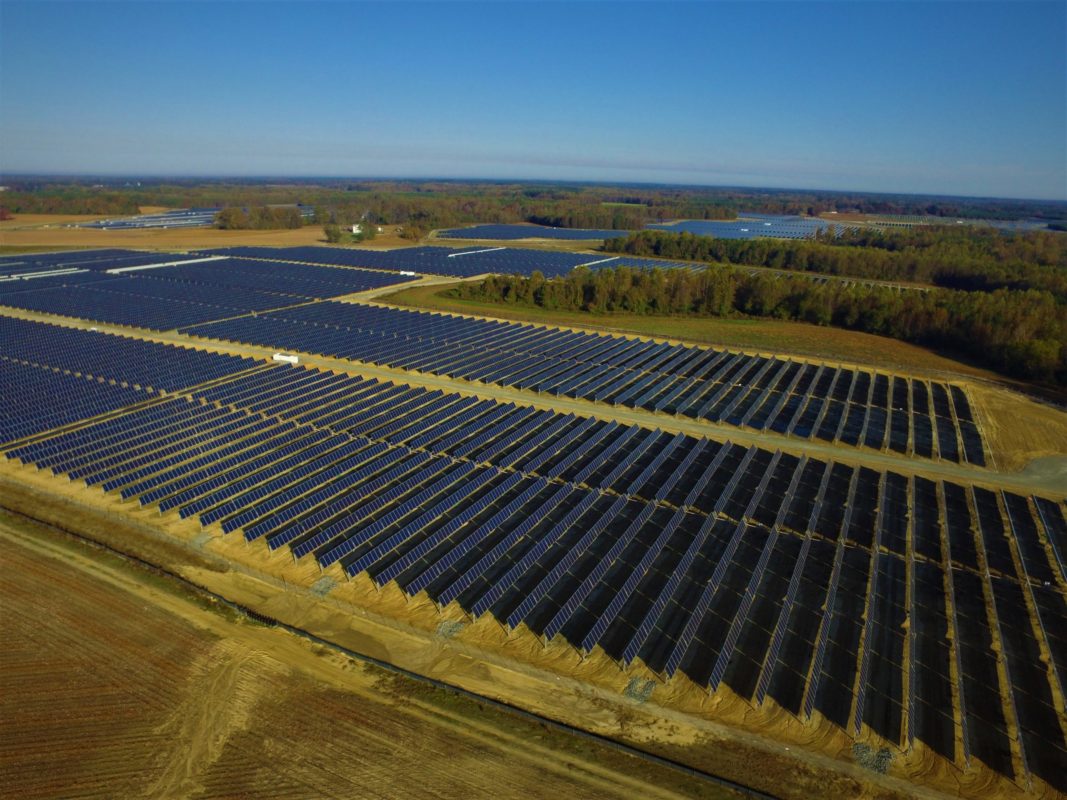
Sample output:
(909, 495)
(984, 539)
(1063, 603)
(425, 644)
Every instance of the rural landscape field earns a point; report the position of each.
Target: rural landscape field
(476, 436)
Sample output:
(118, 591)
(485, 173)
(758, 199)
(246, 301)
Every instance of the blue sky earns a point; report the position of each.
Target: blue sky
(937, 97)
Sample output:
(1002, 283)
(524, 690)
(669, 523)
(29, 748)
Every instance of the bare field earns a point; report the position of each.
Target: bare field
(38, 220)
(158, 238)
(35, 231)
(116, 683)
(1017, 429)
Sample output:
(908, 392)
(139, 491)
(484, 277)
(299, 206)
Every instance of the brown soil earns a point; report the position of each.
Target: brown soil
(158, 238)
(38, 220)
(1017, 429)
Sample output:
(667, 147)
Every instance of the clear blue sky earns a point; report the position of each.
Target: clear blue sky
(937, 97)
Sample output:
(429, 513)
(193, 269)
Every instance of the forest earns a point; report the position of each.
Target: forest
(258, 218)
(1021, 333)
(968, 258)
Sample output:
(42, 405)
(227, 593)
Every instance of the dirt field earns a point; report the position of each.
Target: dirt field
(36, 231)
(37, 220)
(117, 683)
(1017, 429)
(158, 238)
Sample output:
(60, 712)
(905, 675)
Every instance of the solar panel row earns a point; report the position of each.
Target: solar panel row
(514, 232)
(130, 362)
(729, 565)
(703, 589)
(167, 297)
(36, 399)
(433, 260)
(753, 226)
(747, 226)
(850, 406)
(779, 577)
(95, 260)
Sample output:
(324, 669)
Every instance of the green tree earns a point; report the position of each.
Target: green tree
(332, 233)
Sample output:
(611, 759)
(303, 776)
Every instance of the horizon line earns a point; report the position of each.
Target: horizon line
(505, 180)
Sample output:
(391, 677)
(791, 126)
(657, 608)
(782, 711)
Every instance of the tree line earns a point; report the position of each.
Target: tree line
(973, 259)
(442, 204)
(258, 218)
(1018, 333)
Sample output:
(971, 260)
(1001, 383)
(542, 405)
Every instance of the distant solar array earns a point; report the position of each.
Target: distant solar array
(752, 226)
(854, 407)
(918, 610)
(515, 232)
(178, 218)
(433, 260)
(74, 261)
(747, 226)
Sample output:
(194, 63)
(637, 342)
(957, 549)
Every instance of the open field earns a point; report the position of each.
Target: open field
(1020, 429)
(29, 233)
(30, 221)
(177, 696)
(151, 238)
(160, 238)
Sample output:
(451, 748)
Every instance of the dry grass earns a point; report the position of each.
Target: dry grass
(38, 220)
(28, 233)
(1017, 429)
(157, 238)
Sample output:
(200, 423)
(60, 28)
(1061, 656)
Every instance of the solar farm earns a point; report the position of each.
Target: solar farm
(752, 226)
(177, 218)
(819, 553)
(517, 232)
